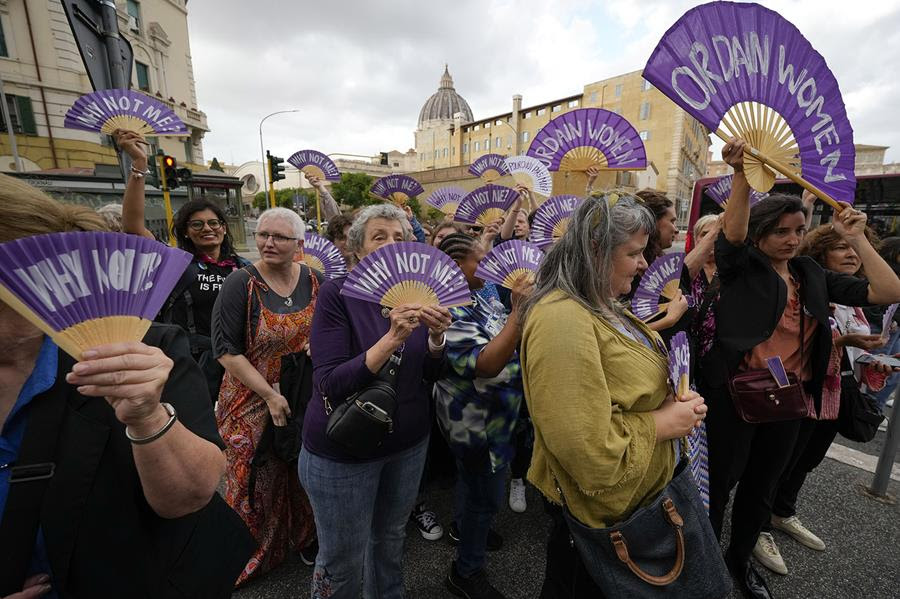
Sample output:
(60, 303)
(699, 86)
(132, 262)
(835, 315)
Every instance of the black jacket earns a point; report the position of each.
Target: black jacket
(752, 301)
(102, 537)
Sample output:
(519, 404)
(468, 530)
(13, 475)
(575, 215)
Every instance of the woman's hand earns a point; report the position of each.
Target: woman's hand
(132, 144)
(438, 320)
(522, 287)
(404, 320)
(315, 182)
(131, 377)
(490, 233)
(592, 174)
(866, 342)
(278, 408)
(733, 154)
(675, 419)
(35, 586)
(677, 307)
(850, 223)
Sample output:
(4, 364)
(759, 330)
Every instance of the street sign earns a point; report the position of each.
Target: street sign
(94, 40)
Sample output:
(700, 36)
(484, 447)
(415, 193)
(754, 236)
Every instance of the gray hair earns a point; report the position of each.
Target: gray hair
(284, 214)
(357, 233)
(580, 263)
(702, 223)
(112, 214)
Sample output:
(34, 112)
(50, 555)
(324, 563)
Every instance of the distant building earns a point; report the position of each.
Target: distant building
(869, 161)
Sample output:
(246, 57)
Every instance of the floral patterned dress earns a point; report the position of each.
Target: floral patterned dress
(280, 516)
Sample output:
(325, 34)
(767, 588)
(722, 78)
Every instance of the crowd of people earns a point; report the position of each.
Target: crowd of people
(534, 383)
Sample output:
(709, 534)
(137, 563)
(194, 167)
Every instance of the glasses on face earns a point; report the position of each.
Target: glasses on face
(263, 237)
(197, 225)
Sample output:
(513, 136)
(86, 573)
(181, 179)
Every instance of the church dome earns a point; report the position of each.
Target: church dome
(444, 104)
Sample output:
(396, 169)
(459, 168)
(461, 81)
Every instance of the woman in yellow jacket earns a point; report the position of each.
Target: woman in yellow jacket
(595, 382)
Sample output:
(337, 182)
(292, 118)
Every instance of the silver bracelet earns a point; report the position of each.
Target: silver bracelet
(173, 416)
(139, 174)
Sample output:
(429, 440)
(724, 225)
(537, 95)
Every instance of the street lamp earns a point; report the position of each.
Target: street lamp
(262, 149)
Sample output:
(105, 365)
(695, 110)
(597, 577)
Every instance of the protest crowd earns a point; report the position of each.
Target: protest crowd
(284, 410)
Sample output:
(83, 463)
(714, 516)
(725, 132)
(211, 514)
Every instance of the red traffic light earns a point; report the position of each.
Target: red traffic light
(169, 161)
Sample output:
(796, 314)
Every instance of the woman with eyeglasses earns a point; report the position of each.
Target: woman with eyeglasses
(199, 228)
(264, 312)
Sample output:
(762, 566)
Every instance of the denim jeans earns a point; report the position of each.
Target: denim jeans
(479, 494)
(361, 511)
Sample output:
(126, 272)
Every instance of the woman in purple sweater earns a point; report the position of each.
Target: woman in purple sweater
(361, 505)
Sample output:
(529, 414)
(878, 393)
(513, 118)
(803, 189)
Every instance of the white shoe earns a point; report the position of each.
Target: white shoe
(800, 533)
(517, 495)
(766, 552)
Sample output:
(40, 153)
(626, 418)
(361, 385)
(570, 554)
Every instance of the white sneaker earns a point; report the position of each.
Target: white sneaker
(800, 533)
(766, 552)
(517, 495)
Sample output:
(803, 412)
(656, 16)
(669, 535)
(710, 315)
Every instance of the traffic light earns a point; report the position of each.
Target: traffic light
(384, 158)
(276, 167)
(170, 172)
(153, 172)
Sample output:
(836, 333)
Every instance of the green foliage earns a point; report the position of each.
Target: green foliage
(353, 190)
(416, 207)
(285, 199)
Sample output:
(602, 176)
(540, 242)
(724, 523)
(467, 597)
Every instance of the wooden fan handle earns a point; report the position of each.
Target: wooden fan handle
(786, 171)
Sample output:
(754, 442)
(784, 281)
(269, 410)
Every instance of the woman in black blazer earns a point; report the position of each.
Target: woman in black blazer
(769, 298)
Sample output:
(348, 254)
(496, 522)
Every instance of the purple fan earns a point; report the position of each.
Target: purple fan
(106, 110)
(742, 70)
(397, 188)
(87, 289)
(489, 167)
(509, 261)
(698, 455)
(322, 255)
(408, 273)
(551, 219)
(658, 286)
(589, 138)
(315, 163)
(485, 204)
(446, 199)
(680, 363)
(720, 191)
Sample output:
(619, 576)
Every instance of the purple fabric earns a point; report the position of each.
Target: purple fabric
(327, 253)
(391, 184)
(343, 329)
(664, 270)
(549, 214)
(91, 111)
(488, 162)
(606, 131)
(68, 278)
(507, 258)
(305, 158)
(722, 53)
(480, 200)
(720, 190)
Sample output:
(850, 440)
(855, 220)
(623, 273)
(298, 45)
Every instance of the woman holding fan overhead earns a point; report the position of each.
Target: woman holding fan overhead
(263, 313)
(362, 500)
(772, 317)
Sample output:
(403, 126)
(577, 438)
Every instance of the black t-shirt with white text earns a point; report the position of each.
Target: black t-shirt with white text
(203, 292)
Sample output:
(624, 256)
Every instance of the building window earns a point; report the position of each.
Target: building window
(593, 99)
(476, 127)
(573, 103)
(188, 150)
(21, 115)
(556, 108)
(618, 90)
(477, 146)
(143, 76)
(452, 151)
(487, 144)
(497, 142)
(499, 122)
(444, 153)
(487, 125)
(645, 111)
(435, 154)
(646, 85)
(541, 111)
(134, 11)
(645, 135)
(3, 50)
(526, 115)
(465, 148)
(525, 136)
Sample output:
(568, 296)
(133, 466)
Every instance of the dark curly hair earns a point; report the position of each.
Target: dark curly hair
(183, 216)
(824, 238)
(336, 227)
(659, 205)
(764, 215)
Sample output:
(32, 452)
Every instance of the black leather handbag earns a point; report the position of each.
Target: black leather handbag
(859, 415)
(362, 422)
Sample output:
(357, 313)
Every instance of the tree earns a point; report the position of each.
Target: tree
(353, 190)
(285, 199)
(416, 207)
(215, 166)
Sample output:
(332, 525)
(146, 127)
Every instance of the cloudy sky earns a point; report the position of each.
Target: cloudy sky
(360, 70)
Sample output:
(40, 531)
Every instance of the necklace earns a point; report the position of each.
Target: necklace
(289, 301)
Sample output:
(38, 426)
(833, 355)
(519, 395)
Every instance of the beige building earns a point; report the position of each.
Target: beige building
(449, 137)
(869, 161)
(43, 75)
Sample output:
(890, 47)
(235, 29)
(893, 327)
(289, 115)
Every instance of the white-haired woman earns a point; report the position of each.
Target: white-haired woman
(606, 449)
(263, 312)
(362, 505)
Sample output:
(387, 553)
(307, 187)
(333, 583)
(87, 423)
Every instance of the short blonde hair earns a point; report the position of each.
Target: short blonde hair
(284, 214)
(27, 211)
(702, 223)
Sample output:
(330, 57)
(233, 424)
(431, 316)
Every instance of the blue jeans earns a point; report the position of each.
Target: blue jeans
(361, 511)
(479, 494)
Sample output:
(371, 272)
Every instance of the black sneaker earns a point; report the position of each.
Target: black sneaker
(308, 554)
(427, 523)
(494, 540)
(476, 586)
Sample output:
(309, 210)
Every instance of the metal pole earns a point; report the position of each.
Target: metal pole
(167, 199)
(9, 129)
(115, 64)
(262, 150)
(888, 452)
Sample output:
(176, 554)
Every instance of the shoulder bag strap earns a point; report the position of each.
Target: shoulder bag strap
(708, 296)
(29, 478)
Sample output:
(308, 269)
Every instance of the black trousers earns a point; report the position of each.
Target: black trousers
(752, 457)
(813, 441)
(565, 576)
(523, 442)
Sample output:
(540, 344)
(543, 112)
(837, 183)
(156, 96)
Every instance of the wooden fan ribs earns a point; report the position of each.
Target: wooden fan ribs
(769, 136)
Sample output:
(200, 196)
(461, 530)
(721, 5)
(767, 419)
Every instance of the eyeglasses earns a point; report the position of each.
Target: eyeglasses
(214, 224)
(264, 237)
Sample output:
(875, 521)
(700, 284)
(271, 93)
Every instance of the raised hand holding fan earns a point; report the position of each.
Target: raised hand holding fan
(322, 255)
(315, 163)
(509, 261)
(485, 205)
(88, 289)
(530, 173)
(489, 167)
(408, 273)
(446, 199)
(106, 110)
(658, 286)
(720, 190)
(551, 219)
(397, 188)
(744, 71)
